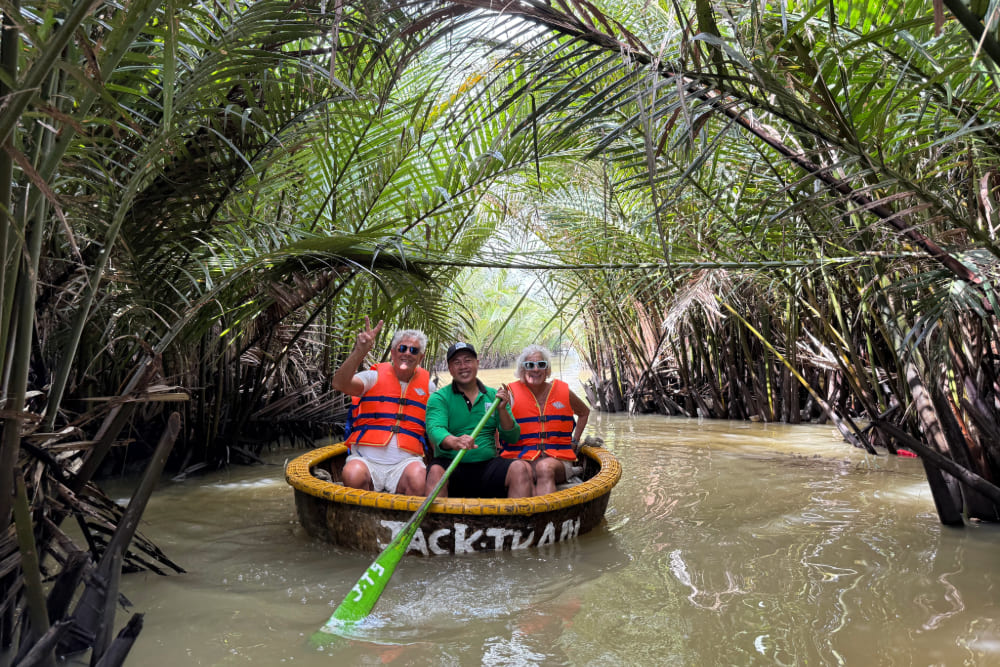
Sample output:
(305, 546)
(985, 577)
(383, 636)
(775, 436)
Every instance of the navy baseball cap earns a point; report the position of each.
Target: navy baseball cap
(459, 347)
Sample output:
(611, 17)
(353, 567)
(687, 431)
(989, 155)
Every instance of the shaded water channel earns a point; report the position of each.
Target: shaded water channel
(725, 543)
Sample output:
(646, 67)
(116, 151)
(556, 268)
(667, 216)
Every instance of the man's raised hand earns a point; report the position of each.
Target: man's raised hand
(368, 335)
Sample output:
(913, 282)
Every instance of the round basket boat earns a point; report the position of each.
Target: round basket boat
(368, 521)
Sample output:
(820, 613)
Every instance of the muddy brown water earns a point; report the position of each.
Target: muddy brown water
(725, 543)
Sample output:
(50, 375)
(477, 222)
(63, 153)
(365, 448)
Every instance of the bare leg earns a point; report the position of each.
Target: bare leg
(434, 475)
(550, 472)
(412, 481)
(519, 480)
(356, 475)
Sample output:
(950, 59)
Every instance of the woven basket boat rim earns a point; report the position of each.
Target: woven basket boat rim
(298, 475)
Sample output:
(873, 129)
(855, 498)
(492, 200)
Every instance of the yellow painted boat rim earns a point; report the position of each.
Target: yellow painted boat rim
(298, 474)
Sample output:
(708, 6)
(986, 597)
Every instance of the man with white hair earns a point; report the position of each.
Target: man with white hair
(388, 437)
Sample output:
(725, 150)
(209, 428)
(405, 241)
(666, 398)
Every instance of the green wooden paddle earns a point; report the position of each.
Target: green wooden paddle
(367, 591)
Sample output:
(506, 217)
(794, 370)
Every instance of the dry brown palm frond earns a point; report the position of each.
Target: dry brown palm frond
(701, 291)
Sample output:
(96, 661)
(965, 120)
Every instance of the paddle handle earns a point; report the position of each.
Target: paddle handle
(455, 461)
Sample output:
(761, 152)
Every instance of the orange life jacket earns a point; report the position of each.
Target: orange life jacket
(382, 411)
(547, 428)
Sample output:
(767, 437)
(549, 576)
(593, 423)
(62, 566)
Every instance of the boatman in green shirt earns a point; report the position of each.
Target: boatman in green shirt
(452, 415)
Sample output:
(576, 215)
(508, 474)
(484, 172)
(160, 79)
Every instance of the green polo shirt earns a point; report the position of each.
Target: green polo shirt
(448, 413)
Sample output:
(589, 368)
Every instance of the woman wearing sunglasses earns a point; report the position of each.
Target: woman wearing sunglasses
(551, 417)
(388, 435)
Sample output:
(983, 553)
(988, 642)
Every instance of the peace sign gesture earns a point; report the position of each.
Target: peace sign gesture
(368, 335)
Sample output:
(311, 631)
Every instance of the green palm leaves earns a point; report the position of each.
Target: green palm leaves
(843, 155)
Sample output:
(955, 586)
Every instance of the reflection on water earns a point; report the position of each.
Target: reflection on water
(725, 543)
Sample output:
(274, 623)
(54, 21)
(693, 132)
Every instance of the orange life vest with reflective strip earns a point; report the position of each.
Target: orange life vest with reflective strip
(382, 411)
(547, 428)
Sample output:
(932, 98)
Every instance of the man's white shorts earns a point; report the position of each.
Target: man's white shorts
(386, 476)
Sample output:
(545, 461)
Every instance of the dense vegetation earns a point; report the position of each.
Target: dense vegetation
(774, 211)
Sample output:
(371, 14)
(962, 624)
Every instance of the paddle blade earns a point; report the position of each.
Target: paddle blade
(362, 598)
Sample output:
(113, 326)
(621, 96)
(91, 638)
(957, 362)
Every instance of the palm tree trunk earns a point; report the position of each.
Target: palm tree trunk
(944, 489)
(42, 68)
(972, 24)
(977, 506)
(792, 395)
(22, 337)
(37, 612)
(10, 42)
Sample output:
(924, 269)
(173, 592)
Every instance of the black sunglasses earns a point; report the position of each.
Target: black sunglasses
(412, 348)
(532, 365)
